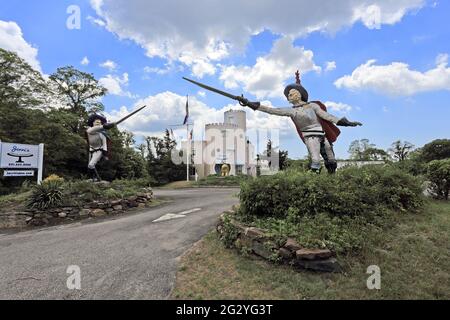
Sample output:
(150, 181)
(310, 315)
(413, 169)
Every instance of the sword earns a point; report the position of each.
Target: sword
(130, 115)
(242, 101)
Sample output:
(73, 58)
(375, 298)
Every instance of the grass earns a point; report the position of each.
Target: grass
(413, 256)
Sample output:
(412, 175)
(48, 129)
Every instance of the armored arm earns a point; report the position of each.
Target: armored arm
(283, 112)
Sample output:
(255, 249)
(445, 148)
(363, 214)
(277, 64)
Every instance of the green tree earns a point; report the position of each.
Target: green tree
(401, 150)
(80, 92)
(436, 150)
(438, 173)
(358, 149)
(20, 84)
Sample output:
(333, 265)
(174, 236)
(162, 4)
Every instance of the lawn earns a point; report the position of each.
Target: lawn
(414, 258)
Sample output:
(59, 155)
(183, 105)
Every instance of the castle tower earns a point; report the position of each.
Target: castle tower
(237, 117)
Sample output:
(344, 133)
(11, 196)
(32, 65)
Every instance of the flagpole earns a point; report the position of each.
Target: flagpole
(188, 151)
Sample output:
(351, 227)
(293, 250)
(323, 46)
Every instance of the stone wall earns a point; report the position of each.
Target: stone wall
(54, 216)
(256, 241)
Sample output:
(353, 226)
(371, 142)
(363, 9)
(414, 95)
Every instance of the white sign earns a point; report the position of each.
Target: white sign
(22, 156)
(19, 173)
(19, 156)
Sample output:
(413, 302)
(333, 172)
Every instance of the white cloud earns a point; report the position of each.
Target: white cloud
(167, 109)
(108, 64)
(271, 72)
(338, 106)
(397, 79)
(85, 61)
(11, 38)
(208, 31)
(115, 85)
(201, 93)
(98, 22)
(331, 65)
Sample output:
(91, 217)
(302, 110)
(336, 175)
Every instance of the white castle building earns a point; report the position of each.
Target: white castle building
(225, 143)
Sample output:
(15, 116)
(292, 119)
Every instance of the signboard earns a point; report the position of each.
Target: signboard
(19, 156)
(22, 157)
(18, 173)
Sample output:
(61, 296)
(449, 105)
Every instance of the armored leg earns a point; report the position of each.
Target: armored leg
(313, 144)
(328, 155)
(95, 157)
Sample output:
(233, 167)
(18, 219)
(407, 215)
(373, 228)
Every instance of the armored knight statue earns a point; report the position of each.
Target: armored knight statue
(314, 124)
(98, 142)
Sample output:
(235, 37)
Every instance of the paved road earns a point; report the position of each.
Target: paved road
(128, 257)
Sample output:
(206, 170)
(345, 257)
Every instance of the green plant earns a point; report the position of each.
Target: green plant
(230, 232)
(438, 172)
(47, 195)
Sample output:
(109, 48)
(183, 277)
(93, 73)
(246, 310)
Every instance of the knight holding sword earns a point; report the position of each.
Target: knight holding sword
(99, 140)
(315, 126)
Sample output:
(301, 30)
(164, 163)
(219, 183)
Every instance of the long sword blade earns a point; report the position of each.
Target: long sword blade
(213, 89)
(130, 115)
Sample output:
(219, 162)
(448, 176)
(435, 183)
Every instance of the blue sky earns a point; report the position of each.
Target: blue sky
(404, 94)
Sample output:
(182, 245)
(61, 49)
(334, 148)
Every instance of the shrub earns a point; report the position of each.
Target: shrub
(47, 195)
(438, 172)
(54, 177)
(352, 191)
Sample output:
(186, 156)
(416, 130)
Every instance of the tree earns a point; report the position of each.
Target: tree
(20, 84)
(436, 150)
(401, 150)
(80, 92)
(358, 149)
(374, 154)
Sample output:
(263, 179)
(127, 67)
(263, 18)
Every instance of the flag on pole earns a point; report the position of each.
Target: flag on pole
(191, 135)
(186, 119)
(172, 134)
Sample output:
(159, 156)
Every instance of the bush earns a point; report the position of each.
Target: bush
(45, 196)
(352, 191)
(438, 172)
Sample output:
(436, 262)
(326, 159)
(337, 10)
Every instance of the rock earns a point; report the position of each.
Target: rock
(328, 265)
(246, 241)
(141, 205)
(313, 254)
(62, 215)
(285, 254)
(118, 207)
(264, 250)
(255, 233)
(116, 203)
(85, 212)
(133, 204)
(109, 210)
(98, 213)
(132, 199)
(292, 245)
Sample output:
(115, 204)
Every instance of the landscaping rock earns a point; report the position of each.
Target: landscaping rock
(263, 249)
(85, 212)
(246, 241)
(292, 245)
(98, 213)
(118, 207)
(255, 233)
(109, 210)
(328, 265)
(62, 215)
(313, 254)
(285, 254)
(141, 205)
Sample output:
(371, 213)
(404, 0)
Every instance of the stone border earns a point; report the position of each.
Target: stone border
(94, 209)
(256, 241)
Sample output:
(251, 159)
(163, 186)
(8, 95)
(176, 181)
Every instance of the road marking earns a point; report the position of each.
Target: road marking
(190, 211)
(171, 216)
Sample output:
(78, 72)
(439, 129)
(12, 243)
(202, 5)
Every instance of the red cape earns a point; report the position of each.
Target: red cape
(331, 131)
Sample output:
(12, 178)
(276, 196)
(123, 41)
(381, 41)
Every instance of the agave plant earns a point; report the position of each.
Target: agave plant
(47, 195)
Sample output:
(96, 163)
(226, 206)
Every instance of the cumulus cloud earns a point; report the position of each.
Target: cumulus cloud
(167, 109)
(338, 106)
(85, 61)
(397, 79)
(11, 38)
(108, 64)
(330, 66)
(115, 85)
(204, 31)
(271, 72)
